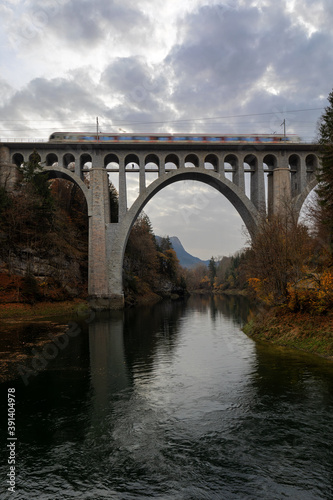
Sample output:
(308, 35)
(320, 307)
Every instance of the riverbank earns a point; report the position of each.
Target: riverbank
(230, 291)
(10, 313)
(19, 312)
(302, 331)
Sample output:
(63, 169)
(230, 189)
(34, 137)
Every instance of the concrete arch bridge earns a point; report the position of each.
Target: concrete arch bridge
(254, 178)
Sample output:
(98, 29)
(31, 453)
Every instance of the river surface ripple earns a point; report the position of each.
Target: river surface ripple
(173, 402)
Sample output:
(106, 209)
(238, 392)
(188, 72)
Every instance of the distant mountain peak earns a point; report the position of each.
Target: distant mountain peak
(185, 258)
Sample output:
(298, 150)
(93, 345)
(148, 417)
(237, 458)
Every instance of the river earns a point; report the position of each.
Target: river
(171, 402)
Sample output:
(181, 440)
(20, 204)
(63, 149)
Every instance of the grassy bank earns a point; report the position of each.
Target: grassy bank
(10, 313)
(300, 331)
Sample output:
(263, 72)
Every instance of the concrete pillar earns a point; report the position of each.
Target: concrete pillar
(220, 165)
(122, 190)
(302, 174)
(9, 173)
(4, 154)
(142, 176)
(98, 270)
(239, 176)
(161, 167)
(270, 194)
(78, 169)
(201, 162)
(281, 189)
(115, 250)
(258, 186)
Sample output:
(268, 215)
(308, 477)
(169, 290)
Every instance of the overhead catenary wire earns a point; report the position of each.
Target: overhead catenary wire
(120, 122)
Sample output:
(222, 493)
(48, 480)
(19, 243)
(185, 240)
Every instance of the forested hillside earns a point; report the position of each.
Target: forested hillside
(151, 266)
(44, 241)
(44, 245)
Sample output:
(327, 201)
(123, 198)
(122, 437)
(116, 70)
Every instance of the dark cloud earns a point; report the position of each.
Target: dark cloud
(227, 61)
(140, 87)
(59, 99)
(222, 59)
(84, 23)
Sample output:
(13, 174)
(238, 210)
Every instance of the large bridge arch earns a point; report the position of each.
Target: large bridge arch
(118, 237)
(242, 204)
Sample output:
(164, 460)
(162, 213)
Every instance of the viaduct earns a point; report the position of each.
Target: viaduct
(253, 177)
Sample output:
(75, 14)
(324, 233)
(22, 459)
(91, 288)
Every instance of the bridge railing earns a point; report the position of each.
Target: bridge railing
(34, 139)
(22, 139)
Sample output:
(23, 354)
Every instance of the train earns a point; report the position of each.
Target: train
(171, 138)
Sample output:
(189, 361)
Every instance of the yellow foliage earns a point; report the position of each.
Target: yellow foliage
(313, 294)
(260, 289)
(205, 283)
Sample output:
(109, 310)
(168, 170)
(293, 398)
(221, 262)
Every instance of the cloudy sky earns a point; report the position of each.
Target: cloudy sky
(214, 66)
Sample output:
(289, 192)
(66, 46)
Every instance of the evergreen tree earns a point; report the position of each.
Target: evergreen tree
(114, 203)
(212, 270)
(32, 167)
(5, 200)
(325, 175)
(34, 176)
(164, 244)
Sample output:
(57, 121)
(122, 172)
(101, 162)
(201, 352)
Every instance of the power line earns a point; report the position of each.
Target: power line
(119, 122)
(221, 117)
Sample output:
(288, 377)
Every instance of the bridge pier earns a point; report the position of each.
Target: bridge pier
(115, 250)
(9, 174)
(281, 190)
(98, 282)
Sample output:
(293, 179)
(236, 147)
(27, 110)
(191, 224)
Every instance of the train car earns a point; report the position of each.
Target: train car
(171, 138)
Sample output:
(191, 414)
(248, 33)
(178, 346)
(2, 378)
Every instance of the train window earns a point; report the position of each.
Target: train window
(196, 139)
(178, 138)
(125, 138)
(162, 138)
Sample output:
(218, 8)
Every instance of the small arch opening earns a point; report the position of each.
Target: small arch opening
(132, 163)
(152, 168)
(311, 162)
(230, 166)
(251, 169)
(191, 161)
(51, 160)
(37, 157)
(132, 167)
(18, 159)
(111, 162)
(269, 164)
(69, 162)
(211, 162)
(294, 167)
(171, 162)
